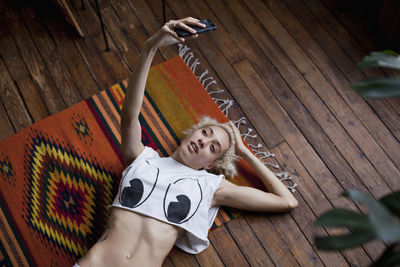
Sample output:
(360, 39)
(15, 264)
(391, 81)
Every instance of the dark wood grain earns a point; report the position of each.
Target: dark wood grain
(286, 63)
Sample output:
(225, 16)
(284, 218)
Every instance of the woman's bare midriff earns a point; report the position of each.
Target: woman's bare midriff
(131, 239)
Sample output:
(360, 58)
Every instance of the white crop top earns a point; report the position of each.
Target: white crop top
(169, 191)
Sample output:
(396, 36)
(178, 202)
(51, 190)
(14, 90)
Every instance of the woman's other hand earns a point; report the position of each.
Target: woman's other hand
(240, 147)
(167, 36)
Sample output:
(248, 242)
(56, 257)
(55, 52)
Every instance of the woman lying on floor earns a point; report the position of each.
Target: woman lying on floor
(170, 201)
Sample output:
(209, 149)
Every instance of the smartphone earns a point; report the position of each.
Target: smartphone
(210, 26)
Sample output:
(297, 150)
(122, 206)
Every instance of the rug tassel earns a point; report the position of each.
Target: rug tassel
(292, 188)
(182, 50)
(239, 122)
(264, 154)
(224, 102)
(283, 176)
(202, 75)
(249, 130)
(276, 166)
(259, 145)
(210, 83)
(188, 57)
(204, 81)
(194, 65)
(215, 92)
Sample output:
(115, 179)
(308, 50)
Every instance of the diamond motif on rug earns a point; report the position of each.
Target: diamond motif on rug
(82, 129)
(66, 195)
(6, 169)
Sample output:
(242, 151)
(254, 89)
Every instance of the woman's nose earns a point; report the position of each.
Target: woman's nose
(202, 143)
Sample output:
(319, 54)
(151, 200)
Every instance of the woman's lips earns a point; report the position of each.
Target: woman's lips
(193, 147)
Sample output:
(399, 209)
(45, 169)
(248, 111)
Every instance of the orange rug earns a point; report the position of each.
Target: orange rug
(58, 175)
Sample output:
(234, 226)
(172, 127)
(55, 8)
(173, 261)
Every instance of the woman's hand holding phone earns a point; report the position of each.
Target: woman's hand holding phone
(167, 35)
(209, 26)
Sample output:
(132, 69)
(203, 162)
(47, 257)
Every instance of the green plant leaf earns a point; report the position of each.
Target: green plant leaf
(343, 217)
(392, 202)
(377, 87)
(387, 58)
(391, 257)
(384, 224)
(352, 239)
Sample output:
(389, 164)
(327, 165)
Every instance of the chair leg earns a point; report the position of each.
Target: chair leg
(102, 25)
(163, 11)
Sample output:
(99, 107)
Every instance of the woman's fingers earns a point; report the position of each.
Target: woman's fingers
(192, 21)
(183, 26)
(169, 28)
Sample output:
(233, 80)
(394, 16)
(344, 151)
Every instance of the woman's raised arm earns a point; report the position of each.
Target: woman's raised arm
(277, 199)
(131, 144)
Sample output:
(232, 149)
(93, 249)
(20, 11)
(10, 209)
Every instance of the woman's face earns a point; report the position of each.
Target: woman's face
(202, 147)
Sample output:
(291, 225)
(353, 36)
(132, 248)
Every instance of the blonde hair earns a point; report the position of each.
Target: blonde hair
(226, 163)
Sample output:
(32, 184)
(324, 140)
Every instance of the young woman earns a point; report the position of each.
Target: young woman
(170, 201)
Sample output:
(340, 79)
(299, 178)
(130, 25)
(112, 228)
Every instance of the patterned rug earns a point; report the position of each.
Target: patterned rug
(58, 175)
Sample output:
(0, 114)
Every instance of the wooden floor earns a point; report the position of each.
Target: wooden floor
(286, 62)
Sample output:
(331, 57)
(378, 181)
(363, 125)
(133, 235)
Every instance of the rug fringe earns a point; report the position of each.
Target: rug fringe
(225, 104)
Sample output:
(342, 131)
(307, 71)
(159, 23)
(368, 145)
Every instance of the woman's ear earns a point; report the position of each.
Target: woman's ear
(209, 167)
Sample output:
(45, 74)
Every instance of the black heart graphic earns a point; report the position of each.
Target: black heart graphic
(133, 194)
(177, 211)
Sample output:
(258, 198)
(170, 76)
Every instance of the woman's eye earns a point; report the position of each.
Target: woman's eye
(212, 148)
(204, 132)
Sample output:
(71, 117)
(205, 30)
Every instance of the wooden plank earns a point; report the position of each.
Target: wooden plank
(6, 128)
(220, 37)
(362, 24)
(296, 241)
(323, 41)
(151, 24)
(311, 193)
(65, 7)
(354, 50)
(226, 247)
(18, 73)
(180, 258)
(84, 80)
(209, 257)
(51, 59)
(271, 240)
(12, 101)
(168, 262)
(248, 243)
(129, 37)
(34, 62)
(108, 67)
(305, 217)
(32, 98)
(70, 55)
(9, 52)
(333, 115)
